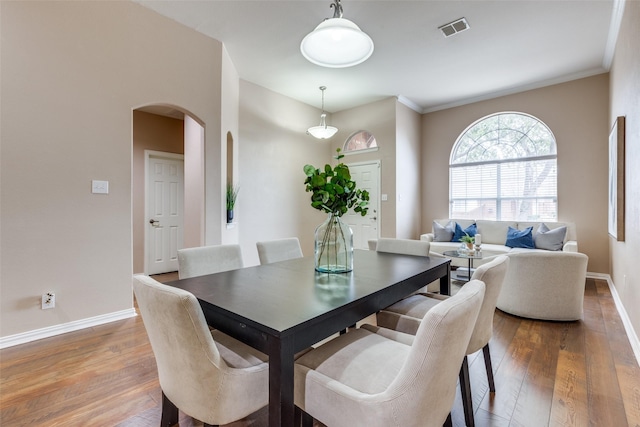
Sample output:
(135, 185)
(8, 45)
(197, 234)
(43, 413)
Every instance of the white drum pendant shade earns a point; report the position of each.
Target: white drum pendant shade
(337, 43)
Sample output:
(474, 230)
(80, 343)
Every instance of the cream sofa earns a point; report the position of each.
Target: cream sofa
(494, 237)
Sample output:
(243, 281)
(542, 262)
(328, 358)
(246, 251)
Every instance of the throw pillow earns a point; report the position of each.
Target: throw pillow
(443, 233)
(551, 240)
(520, 238)
(459, 232)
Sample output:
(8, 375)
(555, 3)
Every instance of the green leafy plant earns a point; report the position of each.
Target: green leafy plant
(333, 191)
(467, 239)
(232, 195)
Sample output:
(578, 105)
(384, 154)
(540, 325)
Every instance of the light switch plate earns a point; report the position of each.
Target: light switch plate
(100, 187)
(384, 197)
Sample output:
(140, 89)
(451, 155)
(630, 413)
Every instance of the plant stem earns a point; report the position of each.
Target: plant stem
(333, 222)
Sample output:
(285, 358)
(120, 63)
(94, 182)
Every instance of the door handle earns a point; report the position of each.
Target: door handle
(374, 218)
(153, 222)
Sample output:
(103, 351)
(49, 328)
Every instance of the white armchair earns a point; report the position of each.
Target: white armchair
(546, 286)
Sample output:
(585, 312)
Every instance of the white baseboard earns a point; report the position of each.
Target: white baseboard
(631, 334)
(25, 337)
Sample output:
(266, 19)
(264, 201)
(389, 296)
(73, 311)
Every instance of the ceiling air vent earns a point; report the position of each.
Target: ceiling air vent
(454, 27)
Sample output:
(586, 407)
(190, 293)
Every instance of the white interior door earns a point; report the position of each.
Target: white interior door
(367, 177)
(165, 211)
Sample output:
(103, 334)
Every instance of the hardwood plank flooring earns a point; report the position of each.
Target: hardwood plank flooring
(547, 374)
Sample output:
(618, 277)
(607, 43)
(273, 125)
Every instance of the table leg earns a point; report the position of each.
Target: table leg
(445, 282)
(281, 406)
(470, 267)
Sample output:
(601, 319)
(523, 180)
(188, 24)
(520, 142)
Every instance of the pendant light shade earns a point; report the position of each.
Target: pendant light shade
(322, 131)
(337, 42)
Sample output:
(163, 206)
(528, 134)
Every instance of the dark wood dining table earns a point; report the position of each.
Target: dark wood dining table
(285, 307)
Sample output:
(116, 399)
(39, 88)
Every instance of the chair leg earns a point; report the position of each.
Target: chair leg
(307, 420)
(448, 422)
(465, 390)
(297, 416)
(169, 412)
(489, 368)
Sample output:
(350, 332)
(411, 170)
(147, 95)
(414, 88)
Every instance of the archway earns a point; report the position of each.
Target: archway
(157, 129)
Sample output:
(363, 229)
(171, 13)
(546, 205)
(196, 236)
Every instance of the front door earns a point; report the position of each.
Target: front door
(165, 210)
(367, 177)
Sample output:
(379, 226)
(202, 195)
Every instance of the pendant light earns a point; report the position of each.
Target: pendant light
(322, 131)
(337, 42)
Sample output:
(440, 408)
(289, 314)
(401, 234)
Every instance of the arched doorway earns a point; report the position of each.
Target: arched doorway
(166, 132)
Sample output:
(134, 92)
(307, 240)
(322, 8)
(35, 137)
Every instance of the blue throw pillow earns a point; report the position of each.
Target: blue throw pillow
(520, 238)
(459, 232)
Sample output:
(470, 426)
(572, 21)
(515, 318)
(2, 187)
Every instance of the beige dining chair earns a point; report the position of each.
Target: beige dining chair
(208, 260)
(206, 374)
(367, 378)
(407, 247)
(406, 316)
(403, 246)
(279, 250)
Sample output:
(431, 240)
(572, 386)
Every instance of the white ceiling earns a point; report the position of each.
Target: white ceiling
(512, 45)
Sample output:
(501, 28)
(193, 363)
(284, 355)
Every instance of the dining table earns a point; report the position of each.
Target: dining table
(285, 307)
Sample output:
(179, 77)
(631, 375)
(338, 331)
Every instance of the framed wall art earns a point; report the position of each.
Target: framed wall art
(616, 180)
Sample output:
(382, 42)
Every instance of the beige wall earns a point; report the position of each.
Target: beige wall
(194, 213)
(408, 146)
(230, 105)
(625, 93)
(379, 118)
(72, 72)
(273, 149)
(577, 114)
(150, 132)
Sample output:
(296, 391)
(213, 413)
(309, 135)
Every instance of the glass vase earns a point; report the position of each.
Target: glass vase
(334, 246)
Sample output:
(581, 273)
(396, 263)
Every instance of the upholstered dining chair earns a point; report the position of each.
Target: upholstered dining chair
(279, 250)
(206, 374)
(364, 378)
(403, 246)
(406, 247)
(208, 260)
(406, 316)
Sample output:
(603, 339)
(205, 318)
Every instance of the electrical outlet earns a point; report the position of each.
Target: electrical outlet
(48, 300)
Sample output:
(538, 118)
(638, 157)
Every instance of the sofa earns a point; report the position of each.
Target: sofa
(546, 275)
(494, 237)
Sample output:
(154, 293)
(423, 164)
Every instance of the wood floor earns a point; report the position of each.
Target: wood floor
(547, 374)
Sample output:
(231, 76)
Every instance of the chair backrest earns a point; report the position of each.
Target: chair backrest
(189, 363)
(492, 274)
(425, 387)
(208, 260)
(403, 246)
(279, 250)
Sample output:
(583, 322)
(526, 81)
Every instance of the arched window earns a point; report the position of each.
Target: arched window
(360, 141)
(503, 167)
